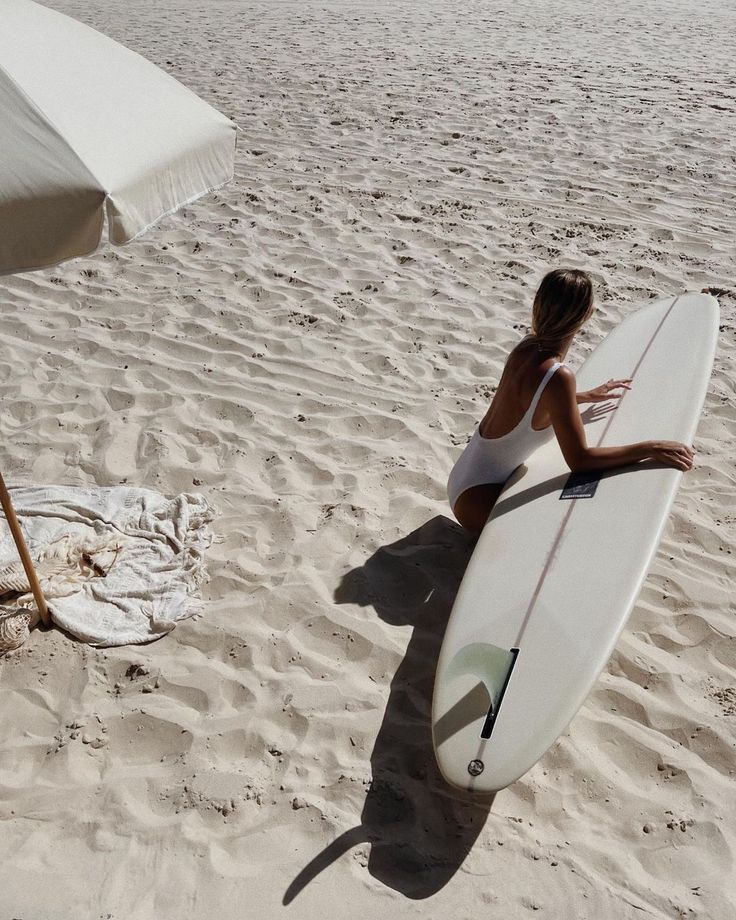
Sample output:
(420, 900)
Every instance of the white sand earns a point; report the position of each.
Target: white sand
(310, 347)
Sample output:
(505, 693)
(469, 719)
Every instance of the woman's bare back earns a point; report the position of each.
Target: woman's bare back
(524, 370)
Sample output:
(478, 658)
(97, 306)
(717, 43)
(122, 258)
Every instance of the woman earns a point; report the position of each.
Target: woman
(536, 398)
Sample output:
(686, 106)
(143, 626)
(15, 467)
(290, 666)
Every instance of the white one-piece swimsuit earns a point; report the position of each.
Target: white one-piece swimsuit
(490, 461)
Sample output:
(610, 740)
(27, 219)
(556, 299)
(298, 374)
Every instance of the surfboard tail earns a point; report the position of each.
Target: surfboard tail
(473, 683)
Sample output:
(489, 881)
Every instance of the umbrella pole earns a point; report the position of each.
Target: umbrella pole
(25, 556)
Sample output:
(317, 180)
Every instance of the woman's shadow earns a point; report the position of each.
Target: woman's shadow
(420, 830)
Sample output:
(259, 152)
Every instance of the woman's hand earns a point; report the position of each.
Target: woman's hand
(672, 453)
(605, 391)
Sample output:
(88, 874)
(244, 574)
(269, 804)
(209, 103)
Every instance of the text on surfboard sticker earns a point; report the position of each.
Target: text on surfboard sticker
(581, 485)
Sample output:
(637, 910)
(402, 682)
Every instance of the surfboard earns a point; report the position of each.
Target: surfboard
(562, 558)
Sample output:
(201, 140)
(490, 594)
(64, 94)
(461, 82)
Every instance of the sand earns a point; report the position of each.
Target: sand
(310, 347)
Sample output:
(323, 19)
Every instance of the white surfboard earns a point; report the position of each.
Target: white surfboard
(560, 562)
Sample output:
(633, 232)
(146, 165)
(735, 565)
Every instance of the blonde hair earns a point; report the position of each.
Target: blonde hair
(562, 305)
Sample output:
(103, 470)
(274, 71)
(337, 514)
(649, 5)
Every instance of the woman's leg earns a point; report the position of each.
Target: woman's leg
(474, 505)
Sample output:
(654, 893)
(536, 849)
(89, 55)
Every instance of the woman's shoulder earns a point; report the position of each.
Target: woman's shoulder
(562, 380)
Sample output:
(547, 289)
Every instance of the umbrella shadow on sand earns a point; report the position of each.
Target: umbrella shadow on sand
(419, 829)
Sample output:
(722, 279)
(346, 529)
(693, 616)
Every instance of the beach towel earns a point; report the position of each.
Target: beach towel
(117, 565)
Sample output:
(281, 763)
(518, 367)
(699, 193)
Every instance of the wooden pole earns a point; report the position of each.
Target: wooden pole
(25, 556)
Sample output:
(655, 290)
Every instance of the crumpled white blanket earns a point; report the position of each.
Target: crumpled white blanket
(117, 565)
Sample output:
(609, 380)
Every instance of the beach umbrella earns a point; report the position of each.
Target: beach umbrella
(94, 140)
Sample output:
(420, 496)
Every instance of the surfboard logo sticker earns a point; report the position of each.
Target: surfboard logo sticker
(580, 485)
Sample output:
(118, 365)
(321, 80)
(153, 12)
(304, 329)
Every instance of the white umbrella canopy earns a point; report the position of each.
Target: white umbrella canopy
(90, 133)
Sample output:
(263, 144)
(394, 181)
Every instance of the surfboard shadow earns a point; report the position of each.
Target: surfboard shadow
(420, 829)
(558, 483)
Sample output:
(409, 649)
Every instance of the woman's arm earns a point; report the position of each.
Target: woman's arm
(561, 400)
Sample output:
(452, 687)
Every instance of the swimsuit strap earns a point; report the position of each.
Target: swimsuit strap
(537, 396)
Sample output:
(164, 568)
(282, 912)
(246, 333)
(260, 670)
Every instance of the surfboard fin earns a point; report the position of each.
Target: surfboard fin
(492, 665)
(496, 702)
